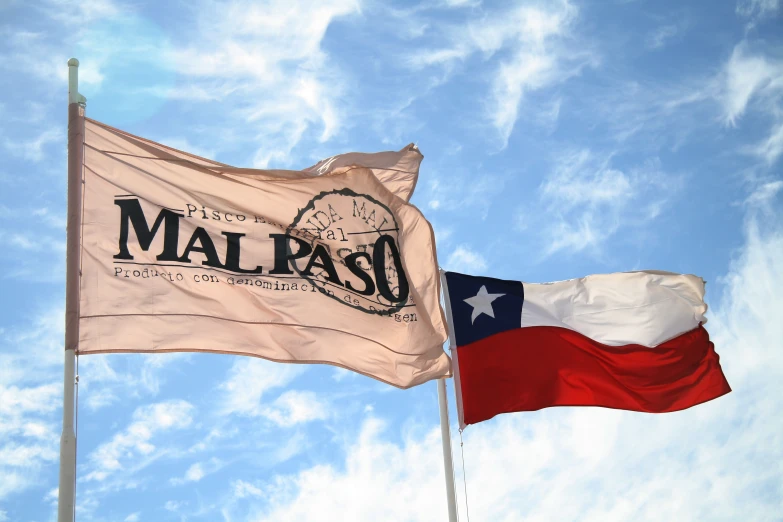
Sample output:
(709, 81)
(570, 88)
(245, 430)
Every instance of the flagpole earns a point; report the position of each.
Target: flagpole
(448, 464)
(453, 351)
(67, 493)
(445, 426)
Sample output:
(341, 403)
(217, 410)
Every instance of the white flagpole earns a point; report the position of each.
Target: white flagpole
(453, 351)
(67, 494)
(448, 464)
(445, 427)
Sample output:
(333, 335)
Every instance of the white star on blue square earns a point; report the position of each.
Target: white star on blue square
(483, 306)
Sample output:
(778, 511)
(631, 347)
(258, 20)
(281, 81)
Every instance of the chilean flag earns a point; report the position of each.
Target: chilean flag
(631, 341)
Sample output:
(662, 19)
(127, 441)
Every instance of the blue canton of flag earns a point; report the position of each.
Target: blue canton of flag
(483, 306)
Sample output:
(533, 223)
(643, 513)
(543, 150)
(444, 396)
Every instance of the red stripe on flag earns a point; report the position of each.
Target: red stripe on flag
(537, 367)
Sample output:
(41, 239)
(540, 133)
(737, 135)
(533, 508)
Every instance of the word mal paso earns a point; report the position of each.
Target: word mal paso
(378, 274)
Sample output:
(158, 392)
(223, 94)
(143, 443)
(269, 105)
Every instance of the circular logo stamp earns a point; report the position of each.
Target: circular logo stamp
(346, 244)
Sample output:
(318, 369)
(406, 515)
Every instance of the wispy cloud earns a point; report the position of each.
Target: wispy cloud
(30, 399)
(80, 12)
(272, 53)
(198, 471)
(586, 200)
(28, 439)
(249, 379)
(34, 148)
(265, 64)
(670, 113)
(764, 196)
(771, 148)
(745, 75)
(465, 259)
(446, 192)
(658, 38)
(36, 52)
(531, 46)
(103, 384)
(757, 10)
(134, 444)
(357, 489)
(295, 407)
(755, 80)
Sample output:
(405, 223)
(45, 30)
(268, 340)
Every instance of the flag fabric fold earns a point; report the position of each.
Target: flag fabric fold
(632, 341)
(398, 171)
(182, 253)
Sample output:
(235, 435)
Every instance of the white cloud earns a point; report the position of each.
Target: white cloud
(755, 80)
(658, 38)
(571, 186)
(133, 517)
(33, 350)
(33, 149)
(173, 506)
(771, 148)
(531, 43)
(586, 200)
(380, 481)
(746, 75)
(461, 3)
(272, 53)
(465, 259)
(135, 442)
(49, 217)
(763, 197)
(13, 455)
(27, 440)
(36, 54)
(757, 10)
(100, 399)
(16, 401)
(339, 374)
(294, 407)
(198, 470)
(264, 63)
(80, 12)
(194, 473)
(30, 400)
(242, 489)
(448, 194)
(757, 7)
(443, 234)
(669, 112)
(214, 435)
(249, 379)
(102, 384)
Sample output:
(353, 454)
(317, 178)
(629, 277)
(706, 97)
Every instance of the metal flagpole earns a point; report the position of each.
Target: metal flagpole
(445, 427)
(448, 464)
(453, 350)
(76, 102)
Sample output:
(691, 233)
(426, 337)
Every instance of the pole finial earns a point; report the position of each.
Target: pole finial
(73, 83)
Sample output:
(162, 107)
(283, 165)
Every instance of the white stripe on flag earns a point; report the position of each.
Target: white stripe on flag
(645, 308)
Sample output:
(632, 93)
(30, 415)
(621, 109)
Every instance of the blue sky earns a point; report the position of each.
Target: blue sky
(560, 139)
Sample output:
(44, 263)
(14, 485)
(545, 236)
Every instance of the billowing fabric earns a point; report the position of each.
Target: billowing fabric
(645, 308)
(398, 171)
(631, 341)
(181, 253)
